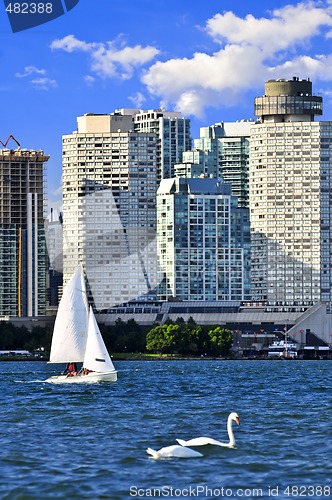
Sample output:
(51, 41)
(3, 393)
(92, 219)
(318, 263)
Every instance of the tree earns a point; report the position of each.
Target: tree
(155, 339)
(163, 339)
(188, 338)
(124, 336)
(19, 337)
(220, 340)
(7, 335)
(39, 337)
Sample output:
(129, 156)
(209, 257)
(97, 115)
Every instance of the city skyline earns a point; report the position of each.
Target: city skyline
(206, 61)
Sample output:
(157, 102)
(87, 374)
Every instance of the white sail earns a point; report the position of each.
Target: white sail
(70, 328)
(96, 357)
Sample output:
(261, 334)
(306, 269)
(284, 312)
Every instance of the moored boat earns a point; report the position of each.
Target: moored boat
(283, 349)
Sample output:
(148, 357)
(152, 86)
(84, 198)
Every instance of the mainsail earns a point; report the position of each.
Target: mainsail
(96, 356)
(70, 328)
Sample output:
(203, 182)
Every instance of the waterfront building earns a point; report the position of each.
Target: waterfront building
(290, 204)
(172, 131)
(229, 141)
(109, 208)
(198, 163)
(54, 242)
(197, 244)
(222, 151)
(22, 237)
(54, 239)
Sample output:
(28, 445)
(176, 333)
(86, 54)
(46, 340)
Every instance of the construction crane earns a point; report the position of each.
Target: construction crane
(11, 137)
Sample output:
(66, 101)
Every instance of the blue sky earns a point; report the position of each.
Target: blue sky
(207, 59)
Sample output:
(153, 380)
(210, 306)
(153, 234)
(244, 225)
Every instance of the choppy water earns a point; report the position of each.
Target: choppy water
(89, 441)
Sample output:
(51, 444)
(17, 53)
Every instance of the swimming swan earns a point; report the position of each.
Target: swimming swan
(200, 441)
(174, 451)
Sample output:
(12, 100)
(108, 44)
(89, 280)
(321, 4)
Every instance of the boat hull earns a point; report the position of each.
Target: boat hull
(84, 379)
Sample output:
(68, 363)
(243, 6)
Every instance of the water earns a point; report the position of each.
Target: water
(89, 441)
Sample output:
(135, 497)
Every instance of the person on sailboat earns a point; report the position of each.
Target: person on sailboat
(70, 370)
(85, 371)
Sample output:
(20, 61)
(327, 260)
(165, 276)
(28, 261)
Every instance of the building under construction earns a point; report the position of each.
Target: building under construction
(22, 235)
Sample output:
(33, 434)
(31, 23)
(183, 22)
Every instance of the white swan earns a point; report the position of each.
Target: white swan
(176, 451)
(200, 441)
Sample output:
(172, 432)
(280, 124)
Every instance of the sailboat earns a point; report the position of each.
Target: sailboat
(77, 338)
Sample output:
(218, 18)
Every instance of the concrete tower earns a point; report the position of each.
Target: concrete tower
(172, 131)
(109, 208)
(290, 182)
(22, 236)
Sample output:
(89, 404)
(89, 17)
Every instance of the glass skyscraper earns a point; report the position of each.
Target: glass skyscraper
(222, 151)
(229, 141)
(197, 242)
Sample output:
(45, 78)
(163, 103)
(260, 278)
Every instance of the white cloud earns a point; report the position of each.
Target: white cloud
(89, 79)
(318, 67)
(107, 60)
(44, 83)
(30, 70)
(251, 49)
(71, 44)
(193, 84)
(41, 83)
(290, 25)
(138, 99)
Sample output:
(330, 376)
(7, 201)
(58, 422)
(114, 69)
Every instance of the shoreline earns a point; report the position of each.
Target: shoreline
(115, 358)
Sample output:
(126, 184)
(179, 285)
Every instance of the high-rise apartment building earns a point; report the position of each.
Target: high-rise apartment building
(54, 240)
(230, 142)
(198, 163)
(172, 130)
(53, 230)
(22, 237)
(197, 241)
(109, 208)
(222, 151)
(290, 204)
